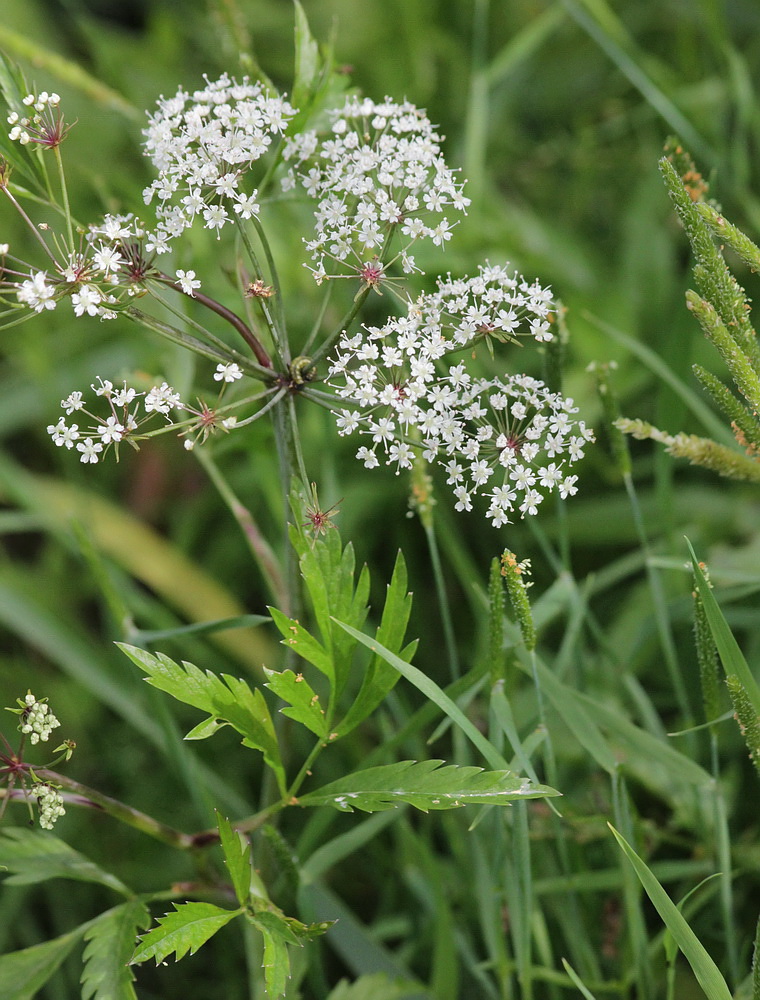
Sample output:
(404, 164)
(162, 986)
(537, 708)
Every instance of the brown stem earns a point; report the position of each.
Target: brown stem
(234, 320)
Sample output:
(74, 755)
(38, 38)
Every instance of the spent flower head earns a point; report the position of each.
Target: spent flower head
(44, 125)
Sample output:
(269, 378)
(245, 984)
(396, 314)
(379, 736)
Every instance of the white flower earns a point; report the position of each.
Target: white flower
(73, 402)
(50, 804)
(62, 435)
(381, 167)
(202, 144)
(228, 372)
(89, 450)
(188, 282)
(37, 720)
(510, 436)
(36, 292)
(162, 399)
(86, 300)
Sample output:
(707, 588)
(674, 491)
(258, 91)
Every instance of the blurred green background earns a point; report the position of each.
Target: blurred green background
(557, 114)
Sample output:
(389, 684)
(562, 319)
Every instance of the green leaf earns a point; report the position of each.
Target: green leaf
(276, 964)
(24, 973)
(576, 980)
(33, 856)
(224, 698)
(106, 974)
(237, 857)
(304, 703)
(434, 693)
(187, 929)
(307, 59)
(380, 677)
(425, 785)
(376, 985)
(298, 639)
(731, 656)
(706, 971)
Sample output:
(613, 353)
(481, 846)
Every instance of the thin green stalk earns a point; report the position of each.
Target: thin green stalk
(641, 971)
(260, 549)
(319, 320)
(272, 272)
(444, 606)
(296, 442)
(662, 622)
(344, 324)
(283, 437)
(193, 344)
(31, 225)
(723, 851)
(232, 318)
(278, 336)
(65, 197)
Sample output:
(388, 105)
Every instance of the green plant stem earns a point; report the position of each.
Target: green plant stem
(723, 850)
(227, 314)
(65, 197)
(283, 436)
(659, 603)
(344, 324)
(193, 344)
(278, 336)
(280, 305)
(31, 225)
(260, 549)
(443, 600)
(92, 799)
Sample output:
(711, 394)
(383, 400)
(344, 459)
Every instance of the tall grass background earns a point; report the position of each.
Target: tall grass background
(557, 114)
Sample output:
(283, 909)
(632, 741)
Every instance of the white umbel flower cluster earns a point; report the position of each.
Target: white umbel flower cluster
(497, 303)
(203, 144)
(509, 439)
(50, 804)
(123, 420)
(37, 721)
(381, 169)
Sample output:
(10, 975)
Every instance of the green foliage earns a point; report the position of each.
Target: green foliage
(425, 785)
(228, 700)
(556, 113)
(185, 930)
(705, 970)
(110, 938)
(30, 856)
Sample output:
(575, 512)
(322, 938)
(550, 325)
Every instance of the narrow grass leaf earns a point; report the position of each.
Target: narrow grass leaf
(432, 691)
(587, 994)
(730, 654)
(706, 971)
